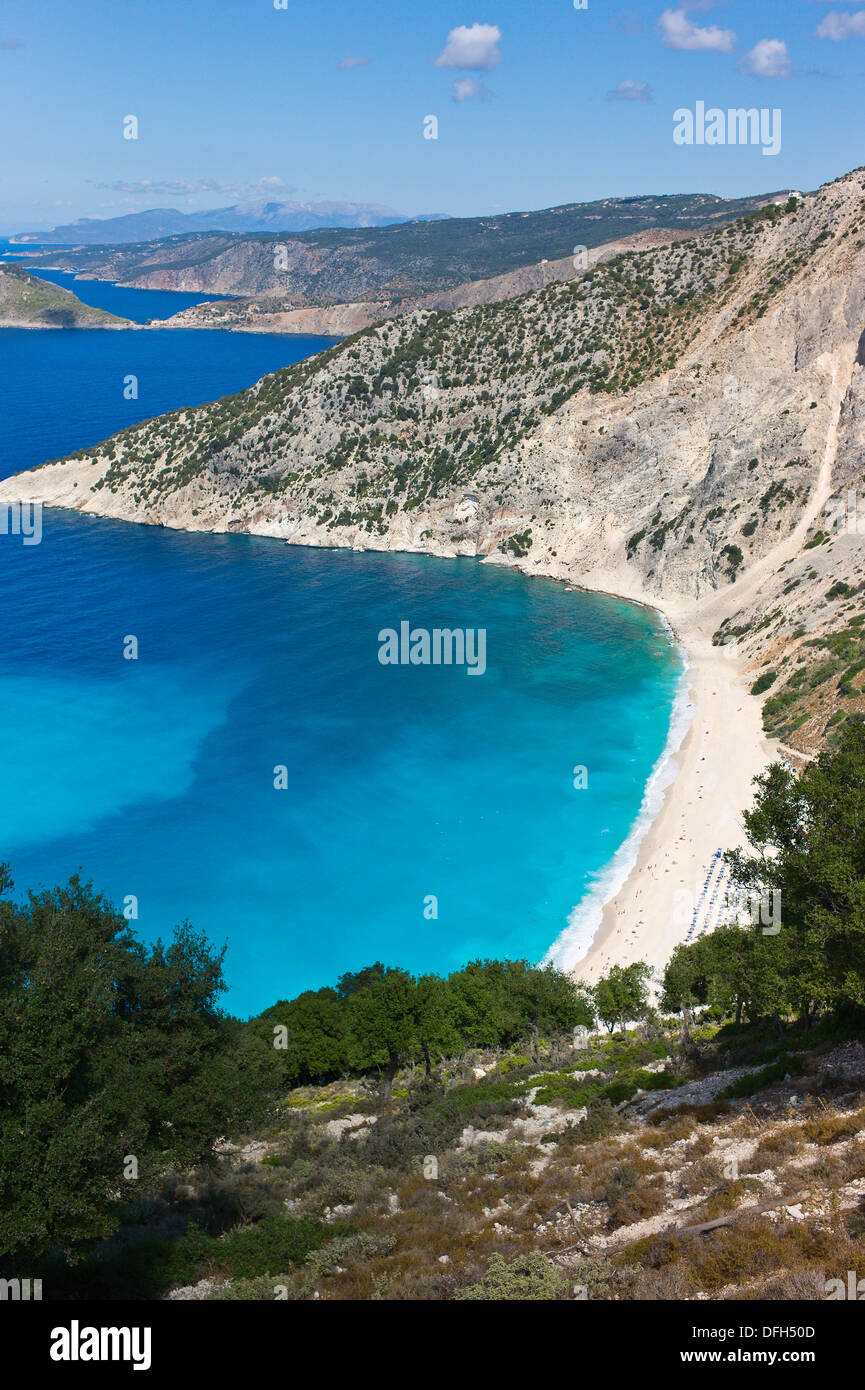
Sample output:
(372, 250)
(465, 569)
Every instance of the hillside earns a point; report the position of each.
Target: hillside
(619, 1168)
(28, 302)
(274, 313)
(396, 262)
(669, 427)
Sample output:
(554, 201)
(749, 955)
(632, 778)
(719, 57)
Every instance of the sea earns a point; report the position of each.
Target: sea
(255, 769)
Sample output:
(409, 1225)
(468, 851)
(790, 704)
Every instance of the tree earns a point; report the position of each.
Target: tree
(807, 835)
(685, 982)
(438, 1035)
(384, 1025)
(350, 983)
(735, 969)
(486, 1009)
(499, 1003)
(552, 1003)
(622, 995)
(315, 1037)
(115, 1062)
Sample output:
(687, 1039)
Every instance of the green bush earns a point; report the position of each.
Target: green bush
(529, 1278)
(763, 682)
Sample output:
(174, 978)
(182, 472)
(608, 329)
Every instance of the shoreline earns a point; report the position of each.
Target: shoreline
(652, 910)
(587, 917)
(644, 915)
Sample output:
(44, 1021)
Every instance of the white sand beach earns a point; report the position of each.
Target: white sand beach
(674, 886)
(676, 880)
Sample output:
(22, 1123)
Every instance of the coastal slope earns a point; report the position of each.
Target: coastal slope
(28, 302)
(276, 313)
(674, 426)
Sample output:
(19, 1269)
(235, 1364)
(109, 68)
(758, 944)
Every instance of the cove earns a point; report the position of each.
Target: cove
(137, 305)
(403, 784)
(258, 770)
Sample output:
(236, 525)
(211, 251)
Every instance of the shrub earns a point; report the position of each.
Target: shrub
(275, 1243)
(600, 1122)
(264, 1289)
(527, 1278)
(628, 1196)
(781, 1144)
(838, 590)
(831, 1129)
(763, 682)
(360, 1245)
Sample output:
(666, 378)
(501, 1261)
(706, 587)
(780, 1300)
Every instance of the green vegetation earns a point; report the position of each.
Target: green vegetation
(824, 686)
(622, 994)
(26, 299)
(734, 559)
(380, 1019)
(763, 682)
(107, 1051)
(528, 1277)
(805, 955)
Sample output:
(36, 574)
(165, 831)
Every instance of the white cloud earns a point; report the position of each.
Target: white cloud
(353, 63)
(466, 88)
(678, 31)
(631, 91)
(768, 58)
(150, 187)
(842, 26)
(472, 46)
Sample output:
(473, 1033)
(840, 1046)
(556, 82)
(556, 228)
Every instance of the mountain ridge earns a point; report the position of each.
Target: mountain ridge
(257, 215)
(405, 260)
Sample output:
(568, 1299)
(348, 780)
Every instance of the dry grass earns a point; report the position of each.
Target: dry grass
(828, 1128)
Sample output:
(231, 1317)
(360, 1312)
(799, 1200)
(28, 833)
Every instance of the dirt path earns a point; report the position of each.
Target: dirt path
(722, 605)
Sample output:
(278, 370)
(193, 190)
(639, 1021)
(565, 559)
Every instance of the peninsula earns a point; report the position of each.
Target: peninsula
(28, 302)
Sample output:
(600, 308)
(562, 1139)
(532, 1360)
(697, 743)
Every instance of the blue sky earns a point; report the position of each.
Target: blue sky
(538, 102)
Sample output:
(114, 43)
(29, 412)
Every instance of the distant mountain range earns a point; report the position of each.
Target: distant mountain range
(241, 217)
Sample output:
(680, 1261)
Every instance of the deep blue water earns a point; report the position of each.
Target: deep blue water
(61, 388)
(137, 305)
(155, 777)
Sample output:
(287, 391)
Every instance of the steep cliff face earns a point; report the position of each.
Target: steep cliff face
(673, 426)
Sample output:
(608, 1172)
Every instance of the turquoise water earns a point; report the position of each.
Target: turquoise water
(155, 777)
